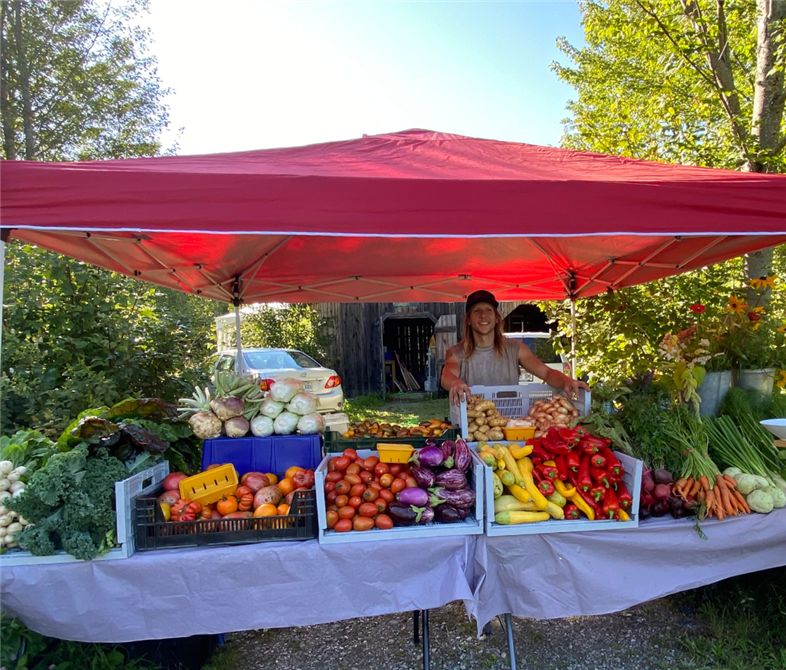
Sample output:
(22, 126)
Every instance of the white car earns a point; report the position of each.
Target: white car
(271, 365)
(540, 344)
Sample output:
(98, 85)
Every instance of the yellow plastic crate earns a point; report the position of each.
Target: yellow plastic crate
(394, 453)
(210, 486)
(514, 434)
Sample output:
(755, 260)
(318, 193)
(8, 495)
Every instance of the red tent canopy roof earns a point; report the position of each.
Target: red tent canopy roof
(408, 216)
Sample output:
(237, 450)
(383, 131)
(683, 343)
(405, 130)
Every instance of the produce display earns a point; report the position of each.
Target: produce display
(11, 484)
(486, 421)
(238, 405)
(362, 494)
(660, 495)
(566, 474)
(368, 428)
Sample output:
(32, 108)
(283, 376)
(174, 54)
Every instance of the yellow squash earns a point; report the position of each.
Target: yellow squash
(509, 518)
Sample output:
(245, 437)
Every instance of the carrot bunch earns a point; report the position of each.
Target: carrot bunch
(718, 497)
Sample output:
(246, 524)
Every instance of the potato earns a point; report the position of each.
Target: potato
(492, 412)
(498, 423)
(482, 429)
(268, 494)
(485, 405)
(472, 427)
(472, 413)
(495, 434)
(481, 420)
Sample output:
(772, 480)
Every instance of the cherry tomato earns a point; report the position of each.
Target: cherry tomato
(402, 476)
(381, 505)
(363, 523)
(370, 495)
(381, 469)
(353, 479)
(397, 485)
(343, 486)
(383, 521)
(357, 490)
(342, 463)
(366, 477)
(387, 496)
(330, 486)
(346, 512)
(370, 463)
(368, 509)
(342, 500)
(376, 486)
(343, 526)
(351, 454)
(332, 518)
(355, 501)
(353, 468)
(393, 468)
(334, 477)
(386, 480)
(411, 483)
(331, 497)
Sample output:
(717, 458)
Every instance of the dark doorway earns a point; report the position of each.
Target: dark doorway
(527, 319)
(409, 338)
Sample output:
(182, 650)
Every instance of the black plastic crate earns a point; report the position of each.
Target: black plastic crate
(335, 442)
(152, 532)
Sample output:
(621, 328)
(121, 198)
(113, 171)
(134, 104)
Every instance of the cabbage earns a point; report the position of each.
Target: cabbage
(778, 496)
(311, 423)
(760, 501)
(285, 423)
(262, 426)
(284, 390)
(270, 407)
(302, 403)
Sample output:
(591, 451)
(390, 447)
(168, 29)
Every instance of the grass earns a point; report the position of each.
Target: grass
(395, 410)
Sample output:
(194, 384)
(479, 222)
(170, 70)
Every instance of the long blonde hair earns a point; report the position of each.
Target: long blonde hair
(468, 340)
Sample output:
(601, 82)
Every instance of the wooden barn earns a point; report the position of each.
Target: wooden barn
(387, 347)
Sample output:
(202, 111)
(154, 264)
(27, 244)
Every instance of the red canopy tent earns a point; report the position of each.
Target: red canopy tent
(410, 216)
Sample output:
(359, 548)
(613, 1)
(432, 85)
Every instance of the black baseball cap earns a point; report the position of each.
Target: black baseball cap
(481, 296)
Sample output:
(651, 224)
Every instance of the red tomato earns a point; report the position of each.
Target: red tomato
(370, 495)
(332, 465)
(362, 523)
(332, 508)
(342, 463)
(402, 475)
(332, 518)
(334, 477)
(381, 505)
(343, 486)
(342, 500)
(370, 463)
(397, 486)
(411, 483)
(387, 496)
(353, 468)
(381, 469)
(375, 485)
(386, 480)
(383, 521)
(330, 486)
(353, 479)
(343, 526)
(368, 509)
(351, 454)
(357, 490)
(355, 501)
(346, 512)
(366, 477)
(393, 468)
(331, 497)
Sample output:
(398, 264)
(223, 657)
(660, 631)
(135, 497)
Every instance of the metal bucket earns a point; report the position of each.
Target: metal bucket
(756, 380)
(712, 391)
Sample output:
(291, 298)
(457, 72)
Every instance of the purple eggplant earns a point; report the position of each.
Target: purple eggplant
(463, 499)
(413, 496)
(430, 442)
(428, 457)
(463, 512)
(448, 449)
(402, 515)
(453, 480)
(462, 458)
(423, 476)
(448, 514)
(426, 515)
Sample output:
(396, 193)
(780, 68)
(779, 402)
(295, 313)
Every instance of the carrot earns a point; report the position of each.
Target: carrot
(709, 497)
(701, 495)
(723, 495)
(741, 500)
(679, 487)
(705, 483)
(730, 482)
(695, 488)
(688, 486)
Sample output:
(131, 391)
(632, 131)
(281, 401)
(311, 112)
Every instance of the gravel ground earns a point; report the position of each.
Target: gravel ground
(642, 638)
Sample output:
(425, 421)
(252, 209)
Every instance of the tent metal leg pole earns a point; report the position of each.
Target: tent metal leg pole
(511, 644)
(426, 660)
(573, 337)
(239, 355)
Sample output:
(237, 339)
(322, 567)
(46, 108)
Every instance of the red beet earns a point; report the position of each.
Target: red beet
(661, 492)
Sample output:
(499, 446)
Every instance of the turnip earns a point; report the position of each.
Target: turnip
(5, 484)
(237, 426)
(206, 425)
(228, 408)
(16, 487)
(6, 467)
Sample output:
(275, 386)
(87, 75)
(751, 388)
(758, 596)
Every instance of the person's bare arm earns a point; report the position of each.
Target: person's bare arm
(552, 377)
(451, 382)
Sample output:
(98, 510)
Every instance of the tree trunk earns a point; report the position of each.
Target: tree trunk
(24, 76)
(6, 113)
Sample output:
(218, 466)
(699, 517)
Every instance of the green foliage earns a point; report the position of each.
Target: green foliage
(26, 447)
(77, 336)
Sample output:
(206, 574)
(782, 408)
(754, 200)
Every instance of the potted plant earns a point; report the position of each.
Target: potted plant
(606, 394)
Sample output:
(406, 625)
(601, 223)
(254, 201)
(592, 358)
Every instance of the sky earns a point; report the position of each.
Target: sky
(252, 74)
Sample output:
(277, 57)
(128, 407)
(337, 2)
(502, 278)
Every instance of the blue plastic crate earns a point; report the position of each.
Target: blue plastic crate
(274, 454)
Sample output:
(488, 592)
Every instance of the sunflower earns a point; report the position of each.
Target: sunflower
(780, 379)
(782, 329)
(763, 282)
(737, 305)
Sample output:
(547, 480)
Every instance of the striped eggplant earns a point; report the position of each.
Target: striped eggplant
(423, 476)
(448, 448)
(453, 480)
(463, 499)
(462, 458)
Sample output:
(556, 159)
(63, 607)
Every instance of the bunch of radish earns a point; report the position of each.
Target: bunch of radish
(11, 485)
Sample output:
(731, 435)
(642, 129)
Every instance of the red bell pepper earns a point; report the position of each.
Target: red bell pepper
(598, 461)
(600, 476)
(573, 460)
(571, 511)
(555, 447)
(623, 496)
(610, 504)
(547, 471)
(585, 481)
(539, 454)
(613, 464)
(598, 492)
(588, 447)
(562, 467)
(569, 435)
(546, 487)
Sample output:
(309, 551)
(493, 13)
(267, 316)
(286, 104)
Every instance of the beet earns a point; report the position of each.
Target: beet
(644, 512)
(647, 484)
(647, 499)
(663, 477)
(661, 492)
(659, 509)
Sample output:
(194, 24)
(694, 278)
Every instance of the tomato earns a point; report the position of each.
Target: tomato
(343, 526)
(387, 496)
(353, 479)
(342, 463)
(393, 468)
(368, 509)
(332, 518)
(370, 495)
(381, 505)
(245, 502)
(397, 486)
(357, 490)
(330, 486)
(351, 454)
(342, 500)
(366, 477)
(334, 477)
(402, 475)
(331, 497)
(411, 483)
(355, 501)
(332, 465)
(370, 463)
(242, 491)
(353, 468)
(332, 508)
(383, 521)
(304, 479)
(386, 480)
(362, 523)
(376, 486)
(381, 469)
(346, 512)
(342, 487)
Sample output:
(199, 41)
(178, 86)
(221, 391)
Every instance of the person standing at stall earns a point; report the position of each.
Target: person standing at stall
(484, 356)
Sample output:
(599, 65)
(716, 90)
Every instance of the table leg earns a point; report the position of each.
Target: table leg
(426, 660)
(416, 622)
(511, 644)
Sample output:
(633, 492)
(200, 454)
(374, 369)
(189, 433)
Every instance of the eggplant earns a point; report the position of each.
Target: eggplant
(662, 477)
(402, 515)
(413, 496)
(453, 480)
(462, 458)
(463, 499)
(448, 449)
(462, 512)
(430, 442)
(426, 515)
(428, 457)
(423, 476)
(448, 514)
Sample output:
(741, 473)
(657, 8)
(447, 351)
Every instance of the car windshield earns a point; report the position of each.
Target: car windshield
(276, 359)
(542, 347)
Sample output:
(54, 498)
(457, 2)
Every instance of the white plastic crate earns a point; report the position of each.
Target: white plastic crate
(631, 478)
(516, 401)
(472, 525)
(142, 483)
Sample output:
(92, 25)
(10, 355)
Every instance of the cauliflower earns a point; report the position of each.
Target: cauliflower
(760, 501)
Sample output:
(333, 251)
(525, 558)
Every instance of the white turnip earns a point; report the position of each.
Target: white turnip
(236, 427)
(228, 408)
(206, 425)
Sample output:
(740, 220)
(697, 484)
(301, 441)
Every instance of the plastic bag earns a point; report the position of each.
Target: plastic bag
(302, 403)
(284, 390)
(311, 423)
(285, 423)
(262, 426)
(270, 407)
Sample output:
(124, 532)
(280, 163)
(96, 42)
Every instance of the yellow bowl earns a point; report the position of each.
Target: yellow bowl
(513, 434)
(394, 453)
